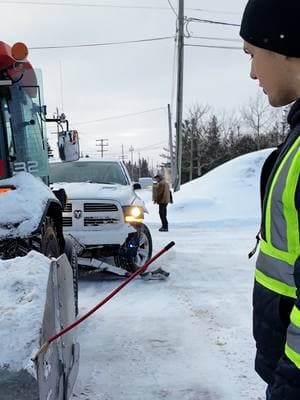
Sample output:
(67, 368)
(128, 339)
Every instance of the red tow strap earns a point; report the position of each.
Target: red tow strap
(106, 299)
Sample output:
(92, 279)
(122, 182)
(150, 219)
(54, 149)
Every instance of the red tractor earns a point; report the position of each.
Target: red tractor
(30, 213)
(24, 148)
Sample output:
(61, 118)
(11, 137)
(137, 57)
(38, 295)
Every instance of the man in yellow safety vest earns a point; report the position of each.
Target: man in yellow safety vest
(270, 30)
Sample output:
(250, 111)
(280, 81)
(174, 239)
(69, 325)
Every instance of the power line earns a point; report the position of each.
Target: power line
(214, 38)
(214, 47)
(172, 8)
(215, 11)
(72, 4)
(100, 44)
(209, 21)
(153, 146)
(119, 116)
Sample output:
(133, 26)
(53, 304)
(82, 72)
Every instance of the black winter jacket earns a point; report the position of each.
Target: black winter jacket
(271, 311)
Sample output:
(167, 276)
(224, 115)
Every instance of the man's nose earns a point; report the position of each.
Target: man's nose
(252, 72)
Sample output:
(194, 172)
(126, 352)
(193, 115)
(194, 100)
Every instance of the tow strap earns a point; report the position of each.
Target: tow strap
(105, 300)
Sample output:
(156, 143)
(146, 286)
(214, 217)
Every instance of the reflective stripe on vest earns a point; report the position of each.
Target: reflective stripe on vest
(281, 247)
(276, 276)
(292, 347)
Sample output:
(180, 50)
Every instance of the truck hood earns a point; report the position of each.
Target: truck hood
(125, 195)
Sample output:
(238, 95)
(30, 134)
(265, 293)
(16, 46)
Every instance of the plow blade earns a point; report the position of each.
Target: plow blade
(57, 367)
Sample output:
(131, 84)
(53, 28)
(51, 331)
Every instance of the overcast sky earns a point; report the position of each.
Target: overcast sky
(95, 83)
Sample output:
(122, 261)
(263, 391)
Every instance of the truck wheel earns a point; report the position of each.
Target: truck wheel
(144, 251)
(49, 241)
(71, 253)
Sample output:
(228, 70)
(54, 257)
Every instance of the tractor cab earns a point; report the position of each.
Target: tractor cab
(23, 141)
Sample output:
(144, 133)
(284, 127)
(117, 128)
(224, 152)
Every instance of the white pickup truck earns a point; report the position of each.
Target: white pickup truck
(103, 214)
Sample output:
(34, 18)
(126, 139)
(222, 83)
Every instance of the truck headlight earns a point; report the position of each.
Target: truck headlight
(133, 214)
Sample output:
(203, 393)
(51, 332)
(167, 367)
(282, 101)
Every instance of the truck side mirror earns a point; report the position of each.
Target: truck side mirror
(68, 146)
(137, 186)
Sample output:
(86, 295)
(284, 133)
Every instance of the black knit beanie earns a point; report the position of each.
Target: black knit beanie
(273, 25)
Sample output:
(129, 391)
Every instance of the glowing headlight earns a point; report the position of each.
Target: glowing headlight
(133, 214)
(136, 212)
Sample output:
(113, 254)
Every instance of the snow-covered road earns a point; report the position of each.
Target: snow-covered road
(187, 338)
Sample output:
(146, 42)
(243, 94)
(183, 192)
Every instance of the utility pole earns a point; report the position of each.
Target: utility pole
(131, 149)
(61, 86)
(122, 157)
(171, 144)
(139, 165)
(198, 160)
(103, 143)
(192, 149)
(179, 102)
(192, 158)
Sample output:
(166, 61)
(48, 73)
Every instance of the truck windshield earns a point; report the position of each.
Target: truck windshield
(108, 172)
(31, 153)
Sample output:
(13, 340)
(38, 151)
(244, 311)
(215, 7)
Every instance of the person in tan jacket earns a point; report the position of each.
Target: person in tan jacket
(161, 196)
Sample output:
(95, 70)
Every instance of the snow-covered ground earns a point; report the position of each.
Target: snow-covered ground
(190, 337)
(186, 338)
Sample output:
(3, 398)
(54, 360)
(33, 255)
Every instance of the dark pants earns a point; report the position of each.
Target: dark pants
(163, 215)
(268, 393)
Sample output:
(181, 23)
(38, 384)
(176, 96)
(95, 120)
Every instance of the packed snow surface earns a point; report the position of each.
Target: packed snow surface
(186, 338)
(21, 209)
(23, 284)
(189, 337)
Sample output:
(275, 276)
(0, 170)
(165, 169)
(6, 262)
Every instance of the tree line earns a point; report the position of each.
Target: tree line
(209, 140)
(138, 169)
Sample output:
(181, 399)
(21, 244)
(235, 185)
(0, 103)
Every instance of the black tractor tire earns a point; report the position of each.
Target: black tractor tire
(71, 253)
(49, 242)
(144, 252)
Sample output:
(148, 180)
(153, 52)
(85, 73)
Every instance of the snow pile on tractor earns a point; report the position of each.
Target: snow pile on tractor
(21, 209)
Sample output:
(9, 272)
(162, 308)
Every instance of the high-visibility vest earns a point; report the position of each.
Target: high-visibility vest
(280, 247)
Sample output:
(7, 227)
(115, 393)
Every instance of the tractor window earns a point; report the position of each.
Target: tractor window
(7, 150)
(8, 127)
(2, 148)
(30, 143)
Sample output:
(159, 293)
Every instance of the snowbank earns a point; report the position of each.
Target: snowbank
(229, 194)
(23, 284)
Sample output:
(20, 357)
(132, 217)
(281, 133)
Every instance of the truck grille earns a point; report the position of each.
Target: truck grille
(68, 207)
(67, 221)
(99, 207)
(99, 221)
(80, 215)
